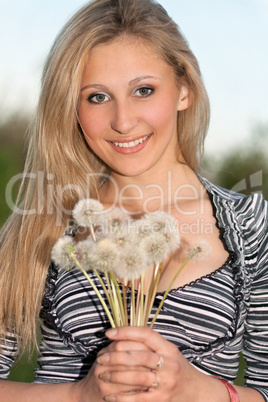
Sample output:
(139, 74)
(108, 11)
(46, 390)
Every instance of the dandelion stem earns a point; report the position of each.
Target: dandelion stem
(149, 293)
(193, 253)
(138, 297)
(92, 232)
(103, 286)
(132, 306)
(77, 263)
(148, 280)
(116, 311)
(119, 296)
(154, 289)
(111, 297)
(125, 302)
(104, 305)
(141, 309)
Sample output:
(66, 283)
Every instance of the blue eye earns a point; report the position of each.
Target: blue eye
(98, 98)
(144, 92)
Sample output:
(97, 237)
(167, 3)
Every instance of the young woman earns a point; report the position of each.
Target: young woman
(122, 118)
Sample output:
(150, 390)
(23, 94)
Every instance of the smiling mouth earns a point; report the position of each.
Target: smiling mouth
(131, 144)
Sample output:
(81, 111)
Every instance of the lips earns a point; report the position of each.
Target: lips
(131, 144)
(130, 147)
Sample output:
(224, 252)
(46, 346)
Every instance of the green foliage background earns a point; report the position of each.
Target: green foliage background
(244, 168)
(12, 146)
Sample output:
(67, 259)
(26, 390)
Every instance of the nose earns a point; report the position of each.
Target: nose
(124, 118)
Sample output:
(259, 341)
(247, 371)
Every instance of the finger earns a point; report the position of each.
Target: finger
(118, 389)
(131, 396)
(107, 387)
(123, 345)
(134, 379)
(145, 358)
(146, 335)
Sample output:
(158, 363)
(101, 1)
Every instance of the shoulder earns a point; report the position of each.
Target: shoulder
(245, 204)
(249, 212)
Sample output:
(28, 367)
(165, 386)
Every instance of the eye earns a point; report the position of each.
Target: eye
(144, 92)
(98, 98)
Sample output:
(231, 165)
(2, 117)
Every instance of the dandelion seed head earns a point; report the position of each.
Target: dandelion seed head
(114, 225)
(84, 253)
(116, 218)
(121, 238)
(156, 247)
(118, 228)
(200, 250)
(105, 255)
(174, 241)
(130, 264)
(87, 212)
(141, 228)
(162, 222)
(61, 252)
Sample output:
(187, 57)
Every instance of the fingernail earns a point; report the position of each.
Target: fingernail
(111, 332)
(105, 376)
(103, 359)
(110, 398)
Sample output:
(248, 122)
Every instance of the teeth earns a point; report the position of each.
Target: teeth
(132, 143)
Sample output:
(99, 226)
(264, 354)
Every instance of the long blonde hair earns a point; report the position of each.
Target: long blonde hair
(60, 168)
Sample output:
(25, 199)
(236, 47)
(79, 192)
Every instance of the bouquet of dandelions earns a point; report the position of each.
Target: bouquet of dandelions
(128, 253)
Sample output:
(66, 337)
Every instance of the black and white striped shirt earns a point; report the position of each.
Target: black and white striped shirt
(211, 320)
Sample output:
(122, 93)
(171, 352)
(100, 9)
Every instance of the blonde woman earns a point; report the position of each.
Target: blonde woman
(122, 117)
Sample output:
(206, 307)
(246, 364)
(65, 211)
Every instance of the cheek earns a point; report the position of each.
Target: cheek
(92, 126)
(162, 115)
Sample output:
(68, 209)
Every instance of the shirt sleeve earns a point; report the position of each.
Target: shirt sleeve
(256, 334)
(58, 362)
(8, 354)
(71, 332)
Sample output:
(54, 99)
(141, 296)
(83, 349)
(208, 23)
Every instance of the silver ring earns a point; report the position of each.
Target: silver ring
(155, 384)
(160, 362)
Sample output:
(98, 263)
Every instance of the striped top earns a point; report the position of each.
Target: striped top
(211, 320)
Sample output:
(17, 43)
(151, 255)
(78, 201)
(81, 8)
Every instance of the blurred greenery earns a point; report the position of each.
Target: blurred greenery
(12, 136)
(243, 169)
(23, 369)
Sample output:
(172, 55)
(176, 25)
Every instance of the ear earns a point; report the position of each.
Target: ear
(185, 98)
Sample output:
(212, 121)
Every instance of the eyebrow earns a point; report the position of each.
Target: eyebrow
(144, 77)
(132, 82)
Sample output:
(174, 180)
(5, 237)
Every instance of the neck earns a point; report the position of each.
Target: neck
(151, 193)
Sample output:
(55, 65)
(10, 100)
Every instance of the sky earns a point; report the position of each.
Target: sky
(228, 37)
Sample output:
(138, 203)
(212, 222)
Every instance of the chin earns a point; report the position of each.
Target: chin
(130, 171)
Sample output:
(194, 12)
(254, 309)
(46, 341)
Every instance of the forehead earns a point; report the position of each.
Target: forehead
(125, 57)
(129, 41)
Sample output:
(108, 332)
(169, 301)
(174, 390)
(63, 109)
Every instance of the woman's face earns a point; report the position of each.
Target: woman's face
(128, 107)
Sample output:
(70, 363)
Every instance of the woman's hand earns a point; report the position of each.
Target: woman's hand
(140, 365)
(111, 359)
